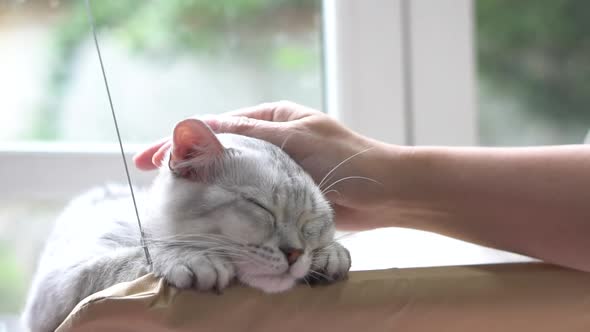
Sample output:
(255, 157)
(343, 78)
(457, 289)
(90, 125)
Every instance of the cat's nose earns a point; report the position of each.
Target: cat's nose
(292, 254)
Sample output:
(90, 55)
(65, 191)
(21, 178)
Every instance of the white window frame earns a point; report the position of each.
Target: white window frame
(58, 171)
(363, 63)
(401, 71)
(443, 78)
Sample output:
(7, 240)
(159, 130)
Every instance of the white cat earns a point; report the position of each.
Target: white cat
(222, 208)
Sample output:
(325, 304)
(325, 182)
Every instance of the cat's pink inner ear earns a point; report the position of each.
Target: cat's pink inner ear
(193, 138)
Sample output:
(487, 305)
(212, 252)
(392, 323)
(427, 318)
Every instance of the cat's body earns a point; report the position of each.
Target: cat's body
(222, 208)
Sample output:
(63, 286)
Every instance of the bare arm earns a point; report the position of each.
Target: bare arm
(533, 201)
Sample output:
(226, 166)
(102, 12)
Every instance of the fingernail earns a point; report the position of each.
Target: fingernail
(214, 124)
(156, 161)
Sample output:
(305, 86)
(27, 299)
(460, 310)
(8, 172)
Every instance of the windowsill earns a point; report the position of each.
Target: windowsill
(408, 248)
(67, 147)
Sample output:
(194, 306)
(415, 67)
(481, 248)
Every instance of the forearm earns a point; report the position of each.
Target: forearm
(534, 201)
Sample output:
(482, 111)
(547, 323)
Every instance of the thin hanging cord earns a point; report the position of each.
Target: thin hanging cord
(106, 84)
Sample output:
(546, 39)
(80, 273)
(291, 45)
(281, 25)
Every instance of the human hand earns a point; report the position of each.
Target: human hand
(352, 170)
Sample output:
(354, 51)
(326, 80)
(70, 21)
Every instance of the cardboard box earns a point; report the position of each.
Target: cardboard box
(505, 297)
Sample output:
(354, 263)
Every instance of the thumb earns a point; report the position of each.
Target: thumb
(273, 132)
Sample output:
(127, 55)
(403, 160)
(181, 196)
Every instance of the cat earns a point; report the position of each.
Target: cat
(222, 208)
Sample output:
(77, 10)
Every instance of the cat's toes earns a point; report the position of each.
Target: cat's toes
(205, 274)
(330, 264)
(180, 276)
(201, 272)
(224, 270)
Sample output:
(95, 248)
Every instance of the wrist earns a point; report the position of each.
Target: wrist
(410, 188)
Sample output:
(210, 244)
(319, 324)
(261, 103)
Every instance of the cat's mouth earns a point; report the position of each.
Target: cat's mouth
(272, 282)
(269, 283)
(272, 270)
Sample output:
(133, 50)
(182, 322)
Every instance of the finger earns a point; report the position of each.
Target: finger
(161, 153)
(281, 111)
(264, 112)
(273, 132)
(143, 159)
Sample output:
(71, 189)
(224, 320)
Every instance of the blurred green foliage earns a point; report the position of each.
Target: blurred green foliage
(160, 29)
(539, 52)
(12, 281)
(536, 51)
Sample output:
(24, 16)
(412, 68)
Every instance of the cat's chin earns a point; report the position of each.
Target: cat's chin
(270, 283)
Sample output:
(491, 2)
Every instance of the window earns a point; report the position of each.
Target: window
(165, 60)
(533, 71)
(494, 72)
(418, 72)
(404, 72)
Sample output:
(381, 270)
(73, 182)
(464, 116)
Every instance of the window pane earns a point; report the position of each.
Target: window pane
(534, 71)
(165, 60)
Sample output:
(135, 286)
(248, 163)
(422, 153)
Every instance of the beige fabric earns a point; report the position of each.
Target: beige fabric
(509, 297)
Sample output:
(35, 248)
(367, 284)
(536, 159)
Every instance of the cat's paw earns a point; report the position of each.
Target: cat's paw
(203, 272)
(330, 264)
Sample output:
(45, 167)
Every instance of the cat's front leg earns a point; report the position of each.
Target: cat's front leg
(57, 290)
(330, 263)
(186, 268)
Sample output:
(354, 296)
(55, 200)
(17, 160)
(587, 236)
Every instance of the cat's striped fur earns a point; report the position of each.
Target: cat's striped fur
(247, 213)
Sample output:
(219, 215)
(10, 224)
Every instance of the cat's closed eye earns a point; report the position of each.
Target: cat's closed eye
(263, 208)
(307, 233)
(310, 230)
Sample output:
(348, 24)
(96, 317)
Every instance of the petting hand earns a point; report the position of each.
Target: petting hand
(347, 166)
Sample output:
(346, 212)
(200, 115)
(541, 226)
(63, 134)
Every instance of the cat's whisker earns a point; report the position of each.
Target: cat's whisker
(323, 250)
(332, 190)
(307, 282)
(319, 274)
(190, 239)
(187, 237)
(351, 178)
(232, 254)
(200, 248)
(227, 252)
(206, 241)
(195, 234)
(155, 242)
(326, 248)
(188, 244)
(328, 245)
(340, 164)
(251, 260)
(343, 236)
(285, 141)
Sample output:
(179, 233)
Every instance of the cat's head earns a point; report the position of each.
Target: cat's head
(259, 206)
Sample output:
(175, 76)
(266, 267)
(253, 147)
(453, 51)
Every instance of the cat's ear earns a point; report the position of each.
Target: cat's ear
(193, 140)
